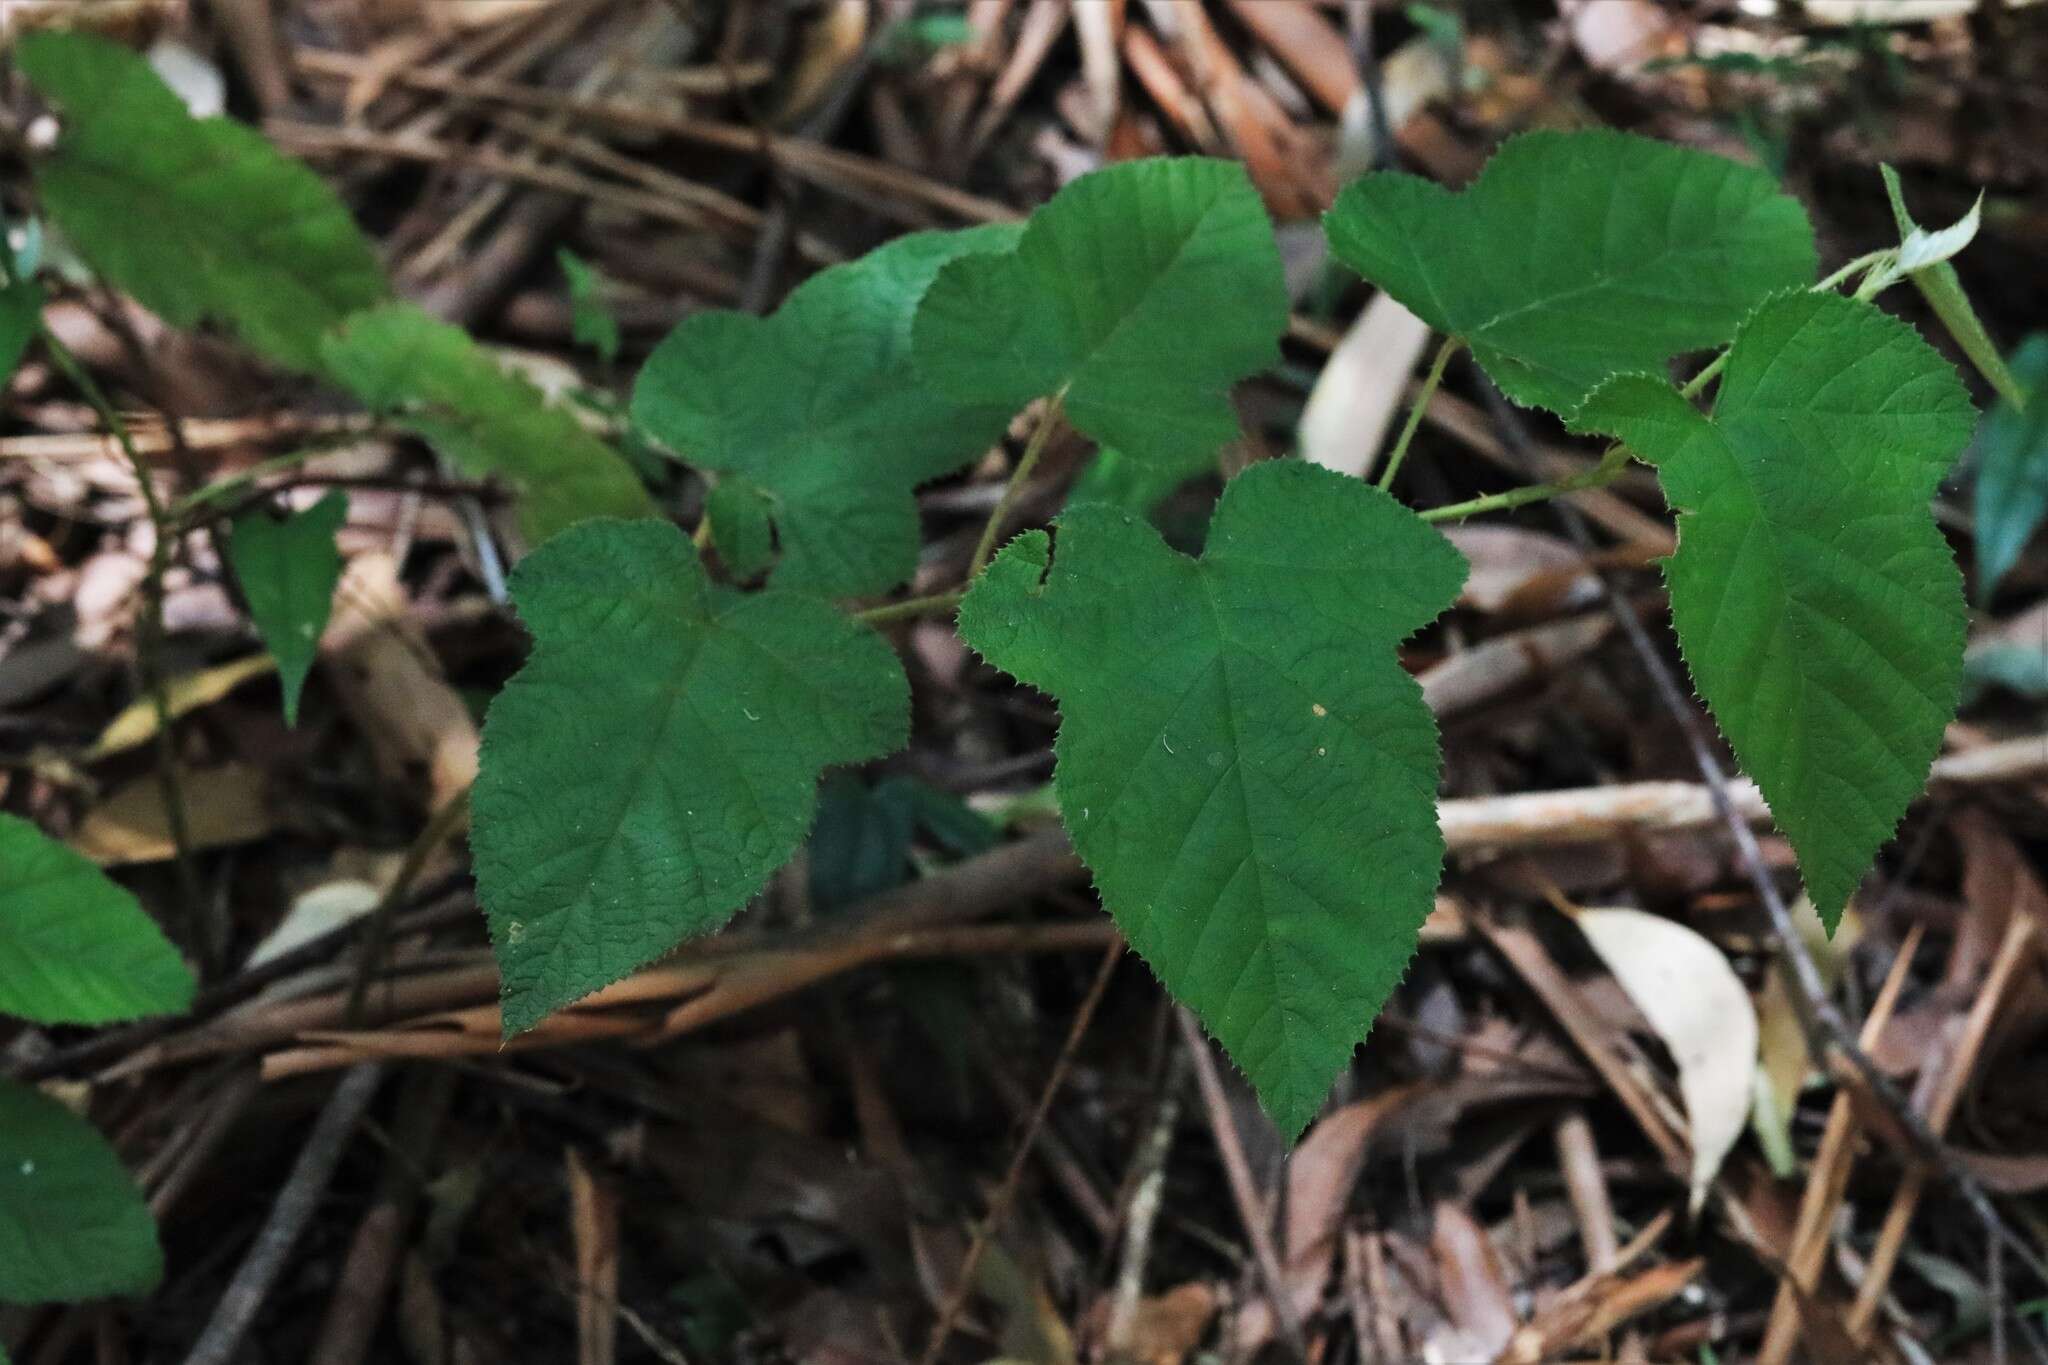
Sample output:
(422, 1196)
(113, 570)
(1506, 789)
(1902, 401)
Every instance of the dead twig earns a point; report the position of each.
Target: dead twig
(999, 1207)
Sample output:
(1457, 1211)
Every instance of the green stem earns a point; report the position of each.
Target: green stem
(935, 605)
(1607, 471)
(985, 548)
(149, 648)
(1430, 381)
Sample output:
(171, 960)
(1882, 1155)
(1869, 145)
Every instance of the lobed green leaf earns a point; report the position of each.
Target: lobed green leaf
(1575, 256)
(1818, 606)
(1142, 292)
(197, 218)
(433, 379)
(72, 1223)
(1242, 761)
(75, 948)
(658, 756)
(288, 568)
(816, 416)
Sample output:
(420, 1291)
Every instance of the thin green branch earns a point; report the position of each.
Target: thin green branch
(985, 548)
(1430, 382)
(1607, 471)
(149, 648)
(937, 604)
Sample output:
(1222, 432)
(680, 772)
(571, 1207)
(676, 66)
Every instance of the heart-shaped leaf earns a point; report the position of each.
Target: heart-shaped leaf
(817, 414)
(1817, 605)
(1142, 291)
(72, 1224)
(1575, 256)
(658, 756)
(1242, 761)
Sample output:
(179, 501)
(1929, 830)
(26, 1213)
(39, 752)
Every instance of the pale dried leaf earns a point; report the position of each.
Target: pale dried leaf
(1357, 396)
(1698, 1007)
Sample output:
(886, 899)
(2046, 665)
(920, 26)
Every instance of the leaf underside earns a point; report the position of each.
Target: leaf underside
(658, 756)
(76, 948)
(433, 379)
(288, 568)
(1144, 291)
(2012, 470)
(72, 1223)
(1576, 256)
(1819, 608)
(1242, 762)
(817, 414)
(197, 218)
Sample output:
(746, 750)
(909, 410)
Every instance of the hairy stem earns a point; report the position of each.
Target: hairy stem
(1607, 471)
(1430, 382)
(937, 604)
(985, 549)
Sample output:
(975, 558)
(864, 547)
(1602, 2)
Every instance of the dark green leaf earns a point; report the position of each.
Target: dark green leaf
(860, 845)
(742, 527)
(288, 568)
(197, 218)
(1242, 761)
(432, 378)
(1575, 256)
(21, 312)
(1142, 291)
(2012, 469)
(72, 1224)
(818, 408)
(1818, 606)
(74, 947)
(658, 756)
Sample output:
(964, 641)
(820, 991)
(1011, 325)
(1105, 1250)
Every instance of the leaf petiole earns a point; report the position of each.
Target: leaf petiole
(936, 604)
(1607, 471)
(1451, 346)
(985, 548)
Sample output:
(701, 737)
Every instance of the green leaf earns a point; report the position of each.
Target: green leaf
(818, 410)
(1143, 291)
(1137, 486)
(433, 379)
(197, 218)
(74, 947)
(288, 568)
(591, 322)
(21, 313)
(2012, 469)
(72, 1224)
(742, 527)
(1923, 258)
(1575, 256)
(1820, 610)
(658, 757)
(860, 845)
(1242, 761)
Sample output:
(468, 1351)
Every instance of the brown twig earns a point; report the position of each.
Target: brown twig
(1243, 1187)
(999, 1207)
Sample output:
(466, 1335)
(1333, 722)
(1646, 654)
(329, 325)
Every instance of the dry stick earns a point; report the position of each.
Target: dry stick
(1150, 1172)
(377, 930)
(1826, 1034)
(1828, 1180)
(1243, 1190)
(1955, 1078)
(221, 1342)
(366, 1274)
(999, 1207)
